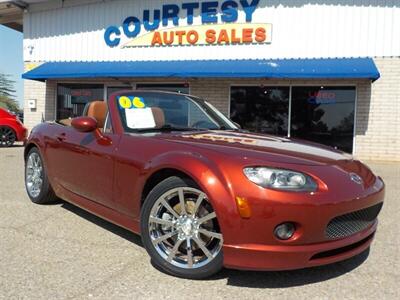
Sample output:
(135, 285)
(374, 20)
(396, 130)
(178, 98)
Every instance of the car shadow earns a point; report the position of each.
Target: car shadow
(122, 232)
(293, 278)
(239, 278)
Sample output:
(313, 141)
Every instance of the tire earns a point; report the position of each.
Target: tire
(7, 136)
(36, 176)
(177, 240)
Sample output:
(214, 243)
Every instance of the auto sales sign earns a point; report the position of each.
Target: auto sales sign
(173, 25)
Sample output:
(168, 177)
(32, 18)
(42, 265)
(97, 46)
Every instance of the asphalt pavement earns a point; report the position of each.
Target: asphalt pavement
(62, 252)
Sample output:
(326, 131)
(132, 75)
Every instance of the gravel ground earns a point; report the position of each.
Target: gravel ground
(62, 252)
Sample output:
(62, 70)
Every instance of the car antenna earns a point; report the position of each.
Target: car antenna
(42, 118)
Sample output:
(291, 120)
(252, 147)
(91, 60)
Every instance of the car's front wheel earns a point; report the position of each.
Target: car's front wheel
(7, 136)
(180, 230)
(36, 182)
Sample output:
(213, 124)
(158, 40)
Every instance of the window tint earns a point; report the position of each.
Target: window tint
(324, 115)
(261, 109)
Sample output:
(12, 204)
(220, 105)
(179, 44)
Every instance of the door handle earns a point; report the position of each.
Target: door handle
(61, 137)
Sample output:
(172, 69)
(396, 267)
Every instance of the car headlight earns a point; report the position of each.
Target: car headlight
(280, 179)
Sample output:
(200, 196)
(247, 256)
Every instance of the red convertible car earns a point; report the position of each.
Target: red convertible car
(201, 192)
(11, 129)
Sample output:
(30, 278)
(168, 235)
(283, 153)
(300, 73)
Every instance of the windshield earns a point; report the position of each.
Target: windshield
(152, 111)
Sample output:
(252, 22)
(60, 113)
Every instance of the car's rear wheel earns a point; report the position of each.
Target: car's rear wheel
(36, 181)
(180, 230)
(7, 136)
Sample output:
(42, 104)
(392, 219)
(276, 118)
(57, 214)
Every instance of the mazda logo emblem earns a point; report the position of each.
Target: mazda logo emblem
(357, 179)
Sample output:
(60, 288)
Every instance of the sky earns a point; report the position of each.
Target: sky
(11, 58)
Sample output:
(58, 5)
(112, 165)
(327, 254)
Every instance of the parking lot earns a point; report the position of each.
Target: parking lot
(62, 252)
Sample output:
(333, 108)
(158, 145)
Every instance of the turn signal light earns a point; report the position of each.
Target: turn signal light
(243, 207)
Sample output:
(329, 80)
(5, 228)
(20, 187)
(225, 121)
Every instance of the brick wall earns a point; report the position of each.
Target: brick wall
(378, 114)
(44, 94)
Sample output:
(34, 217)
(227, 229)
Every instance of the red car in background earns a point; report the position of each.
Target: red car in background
(11, 129)
(203, 193)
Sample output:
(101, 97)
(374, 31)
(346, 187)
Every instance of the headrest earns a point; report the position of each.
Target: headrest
(159, 117)
(98, 110)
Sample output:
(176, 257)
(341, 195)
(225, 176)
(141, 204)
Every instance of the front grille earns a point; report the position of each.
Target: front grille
(353, 222)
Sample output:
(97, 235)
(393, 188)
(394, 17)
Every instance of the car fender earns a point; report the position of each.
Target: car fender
(35, 139)
(9, 123)
(207, 174)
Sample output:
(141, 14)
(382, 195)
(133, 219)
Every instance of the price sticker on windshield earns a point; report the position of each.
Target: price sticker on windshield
(129, 102)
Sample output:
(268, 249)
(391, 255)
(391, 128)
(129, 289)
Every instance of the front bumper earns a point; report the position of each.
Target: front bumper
(251, 244)
(276, 257)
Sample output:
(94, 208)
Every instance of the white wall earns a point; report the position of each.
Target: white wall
(301, 28)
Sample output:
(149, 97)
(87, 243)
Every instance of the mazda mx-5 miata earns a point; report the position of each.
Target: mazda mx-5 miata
(201, 192)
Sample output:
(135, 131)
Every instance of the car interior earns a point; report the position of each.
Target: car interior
(98, 109)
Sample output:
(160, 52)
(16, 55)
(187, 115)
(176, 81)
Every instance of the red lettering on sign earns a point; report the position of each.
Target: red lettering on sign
(260, 35)
(247, 35)
(192, 37)
(171, 37)
(223, 37)
(210, 36)
(234, 38)
(156, 39)
(180, 34)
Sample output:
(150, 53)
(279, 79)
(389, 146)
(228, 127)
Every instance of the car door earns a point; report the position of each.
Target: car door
(85, 165)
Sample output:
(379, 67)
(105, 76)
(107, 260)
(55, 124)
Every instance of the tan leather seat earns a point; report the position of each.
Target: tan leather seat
(65, 122)
(98, 110)
(159, 117)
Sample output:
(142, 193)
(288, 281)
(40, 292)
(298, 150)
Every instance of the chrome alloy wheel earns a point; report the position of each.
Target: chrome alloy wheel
(184, 229)
(34, 174)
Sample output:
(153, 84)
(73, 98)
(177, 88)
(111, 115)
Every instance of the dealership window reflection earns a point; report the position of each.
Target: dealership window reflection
(72, 98)
(324, 115)
(261, 109)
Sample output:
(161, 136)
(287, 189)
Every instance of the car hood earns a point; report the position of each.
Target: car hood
(260, 147)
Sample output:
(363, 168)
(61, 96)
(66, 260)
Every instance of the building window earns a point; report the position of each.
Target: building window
(324, 115)
(261, 109)
(320, 114)
(72, 98)
(178, 88)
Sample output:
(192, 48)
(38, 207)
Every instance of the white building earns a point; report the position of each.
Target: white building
(326, 71)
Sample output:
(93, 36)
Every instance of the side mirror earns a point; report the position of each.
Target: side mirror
(84, 124)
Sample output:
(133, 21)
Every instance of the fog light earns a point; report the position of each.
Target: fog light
(284, 231)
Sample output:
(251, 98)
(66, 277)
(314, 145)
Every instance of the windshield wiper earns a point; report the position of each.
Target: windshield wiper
(166, 128)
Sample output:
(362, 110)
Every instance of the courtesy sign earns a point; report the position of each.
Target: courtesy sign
(173, 25)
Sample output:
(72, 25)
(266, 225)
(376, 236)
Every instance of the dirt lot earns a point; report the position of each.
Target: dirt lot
(62, 252)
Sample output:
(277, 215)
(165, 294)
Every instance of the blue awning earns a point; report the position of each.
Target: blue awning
(335, 68)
